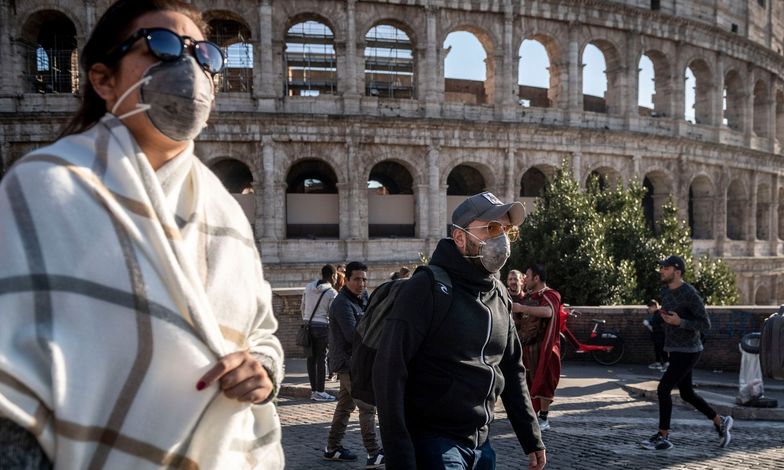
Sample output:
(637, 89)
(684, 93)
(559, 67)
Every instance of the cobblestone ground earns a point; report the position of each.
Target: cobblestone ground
(597, 430)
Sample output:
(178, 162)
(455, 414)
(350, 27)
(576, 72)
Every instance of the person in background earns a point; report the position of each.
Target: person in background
(316, 300)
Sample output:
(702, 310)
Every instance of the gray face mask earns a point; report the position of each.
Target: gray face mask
(177, 97)
(493, 252)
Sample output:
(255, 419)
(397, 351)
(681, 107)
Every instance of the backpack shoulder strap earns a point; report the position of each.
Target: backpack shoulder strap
(442, 295)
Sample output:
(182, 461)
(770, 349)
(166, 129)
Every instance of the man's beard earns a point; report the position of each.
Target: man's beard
(472, 255)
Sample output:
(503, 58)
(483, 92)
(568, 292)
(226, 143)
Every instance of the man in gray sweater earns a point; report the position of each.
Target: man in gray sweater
(685, 318)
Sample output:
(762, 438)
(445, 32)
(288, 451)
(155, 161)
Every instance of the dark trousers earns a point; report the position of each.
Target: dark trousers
(345, 406)
(317, 356)
(658, 347)
(440, 453)
(679, 373)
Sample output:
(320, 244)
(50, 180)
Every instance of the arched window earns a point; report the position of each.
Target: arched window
(658, 187)
(654, 88)
(312, 206)
(238, 180)
(737, 204)
(701, 200)
(49, 39)
(761, 104)
(311, 68)
(762, 296)
(601, 77)
(733, 101)
(468, 70)
(698, 97)
(390, 201)
(533, 183)
(463, 181)
(389, 63)
(605, 177)
(234, 38)
(537, 84)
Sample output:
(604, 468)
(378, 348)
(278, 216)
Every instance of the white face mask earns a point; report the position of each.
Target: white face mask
(493, 252)
(177, 97)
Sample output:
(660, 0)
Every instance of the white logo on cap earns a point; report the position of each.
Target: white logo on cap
(493, 200)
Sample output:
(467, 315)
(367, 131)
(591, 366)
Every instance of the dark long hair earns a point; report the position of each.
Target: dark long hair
(112, 29)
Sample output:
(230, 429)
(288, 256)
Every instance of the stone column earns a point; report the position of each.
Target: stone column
(636, 166)
(748, 115)
(633, 47)
(681, 188)
(350, 94)
(433, 93)
(344, 209)
(751, 226)
(89, 18)
(575, 69)
(422, 195)
(435, 195)
(577, 168)
(505, 89)
(9, 81)
(720, 213)
(357, 193)
(773, 235)
(265, 201)
(264, 73)
(509, 190)
(678, 80)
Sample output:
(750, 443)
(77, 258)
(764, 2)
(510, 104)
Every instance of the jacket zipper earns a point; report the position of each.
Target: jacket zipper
(484, 361)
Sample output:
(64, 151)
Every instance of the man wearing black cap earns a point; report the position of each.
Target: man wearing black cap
(685, 317)
(436, 375)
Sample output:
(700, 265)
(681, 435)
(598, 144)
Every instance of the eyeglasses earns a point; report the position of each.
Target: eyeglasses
(496, 228)
(169, 46)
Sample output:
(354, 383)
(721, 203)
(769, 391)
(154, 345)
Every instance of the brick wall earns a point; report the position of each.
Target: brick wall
(729, 324)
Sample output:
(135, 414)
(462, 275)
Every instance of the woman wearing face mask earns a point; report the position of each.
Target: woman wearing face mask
(137, 326)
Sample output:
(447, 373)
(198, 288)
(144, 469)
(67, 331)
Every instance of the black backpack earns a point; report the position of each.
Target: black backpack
(772, 346)
(370, 327)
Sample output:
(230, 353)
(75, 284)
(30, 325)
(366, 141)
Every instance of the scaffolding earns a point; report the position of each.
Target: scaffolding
(311, 68)
(234, 39)
(389, 63)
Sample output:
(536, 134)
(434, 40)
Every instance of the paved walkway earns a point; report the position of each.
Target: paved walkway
(596, 424)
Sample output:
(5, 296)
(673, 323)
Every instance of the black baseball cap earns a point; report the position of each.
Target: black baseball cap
(674, 261)
(485, 206)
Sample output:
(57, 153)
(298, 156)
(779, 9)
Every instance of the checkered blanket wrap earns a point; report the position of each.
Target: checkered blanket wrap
(120, 286)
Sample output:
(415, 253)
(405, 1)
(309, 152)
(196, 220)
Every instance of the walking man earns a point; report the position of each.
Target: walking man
(685, 317)
(541, 337)
(437, 376)
(316, 301)
(347, 308)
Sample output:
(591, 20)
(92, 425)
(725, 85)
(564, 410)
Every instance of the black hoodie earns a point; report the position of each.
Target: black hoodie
(446, 380)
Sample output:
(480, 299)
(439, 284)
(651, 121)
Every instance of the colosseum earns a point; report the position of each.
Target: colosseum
(342, 137)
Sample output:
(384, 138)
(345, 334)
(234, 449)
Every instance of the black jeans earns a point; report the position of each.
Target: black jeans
(317, 356)
(658, 347)
(679, 373)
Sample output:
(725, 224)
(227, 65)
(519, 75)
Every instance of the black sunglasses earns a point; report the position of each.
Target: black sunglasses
(169, 46)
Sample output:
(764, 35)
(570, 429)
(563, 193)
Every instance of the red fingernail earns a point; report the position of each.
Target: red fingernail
(200, 385)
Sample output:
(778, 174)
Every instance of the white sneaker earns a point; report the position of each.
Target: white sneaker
(655, 365)
(544, 424)
(665, 366)
(322, 396)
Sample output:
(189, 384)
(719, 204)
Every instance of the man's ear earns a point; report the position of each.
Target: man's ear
(459, 237)
(102, 79)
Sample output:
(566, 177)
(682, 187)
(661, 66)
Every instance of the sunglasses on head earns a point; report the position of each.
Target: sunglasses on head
(168, 46)
(496, 228)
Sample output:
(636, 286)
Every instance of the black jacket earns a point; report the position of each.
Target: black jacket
(344, 313)
(446, 380)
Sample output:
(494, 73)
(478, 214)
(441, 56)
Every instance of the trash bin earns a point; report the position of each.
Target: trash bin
(751, 387)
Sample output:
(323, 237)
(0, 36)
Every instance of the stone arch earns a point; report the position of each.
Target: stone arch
(761, 106)
(391, 203)
(733, 101)
(610, 103)
(764, 201)
(390, 60)
(471, 91)
(607, 177)
(702, 198)
(466, 179)
(762, 295)
(232, 33)
(533, 182)
(536, 96)
(310, 57)
(737, 206)
(659, 187)
(48, 38)
(235, 175)
(781, 213)
(702, 93)
(662, 85)
(312, 204)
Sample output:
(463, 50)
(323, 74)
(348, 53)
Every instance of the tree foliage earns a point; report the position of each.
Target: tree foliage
(598, 249)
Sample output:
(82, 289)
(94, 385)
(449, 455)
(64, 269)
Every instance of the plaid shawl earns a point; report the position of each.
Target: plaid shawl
(119, 288)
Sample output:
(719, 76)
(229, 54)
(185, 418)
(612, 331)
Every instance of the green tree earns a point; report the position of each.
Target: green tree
(599, 250)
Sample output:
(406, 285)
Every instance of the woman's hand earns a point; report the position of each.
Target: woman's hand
(240, 376)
